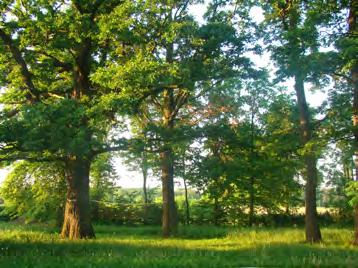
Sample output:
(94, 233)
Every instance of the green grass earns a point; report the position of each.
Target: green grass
(195, 246)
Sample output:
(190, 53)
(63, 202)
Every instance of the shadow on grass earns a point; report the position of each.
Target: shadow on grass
(136, 253)
(185, 232)
(196, 246)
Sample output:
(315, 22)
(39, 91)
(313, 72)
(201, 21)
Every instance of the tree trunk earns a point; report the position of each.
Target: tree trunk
(77, 217)
(287, 209)
(217, 211)
(170, 218)
(145, 175)
(313, 233)
(187, 207)
(352, 28)
(355, 242)
(252, 202)
(253, 156)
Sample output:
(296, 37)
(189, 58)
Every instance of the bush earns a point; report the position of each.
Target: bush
(129, 214)
(34, 192)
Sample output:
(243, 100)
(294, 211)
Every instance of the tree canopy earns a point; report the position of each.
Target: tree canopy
(84, 82)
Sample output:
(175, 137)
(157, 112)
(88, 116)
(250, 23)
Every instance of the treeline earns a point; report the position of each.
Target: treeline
(85, 81)
(128, 207)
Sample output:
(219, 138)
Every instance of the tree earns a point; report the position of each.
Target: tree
(54, 108)
(190, 60)
(102, 176)
(248, 157)
(140, 156)
(347, 70)
(350, 54)
(294, 23)
(342, 66)
(35, 192)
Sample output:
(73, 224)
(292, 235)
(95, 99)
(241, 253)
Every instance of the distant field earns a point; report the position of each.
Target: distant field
(195, 246)
(320, 210)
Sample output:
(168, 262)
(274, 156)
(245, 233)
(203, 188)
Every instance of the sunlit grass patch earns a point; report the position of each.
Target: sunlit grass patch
(195, 246)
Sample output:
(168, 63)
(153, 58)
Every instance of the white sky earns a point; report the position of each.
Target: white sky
(133, 179)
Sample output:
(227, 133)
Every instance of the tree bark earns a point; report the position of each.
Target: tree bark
(287, 209)
(251, 202)
(313, 233)
(77, 217)
(355, 242)
(170, 218)
(253, 156)
(170, 215)
(187, 206)
(217, 211)
(145, 175)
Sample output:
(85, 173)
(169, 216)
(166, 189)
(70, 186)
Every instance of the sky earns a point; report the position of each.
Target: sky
(132, 179)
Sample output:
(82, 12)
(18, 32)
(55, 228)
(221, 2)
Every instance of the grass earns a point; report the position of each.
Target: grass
(195, 246)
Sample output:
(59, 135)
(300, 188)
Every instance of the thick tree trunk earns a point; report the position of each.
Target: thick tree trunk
(187, 207)
(77, 218)
(313, 233)
(170, 218)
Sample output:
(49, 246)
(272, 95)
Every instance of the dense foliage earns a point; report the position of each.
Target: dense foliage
(183, 99)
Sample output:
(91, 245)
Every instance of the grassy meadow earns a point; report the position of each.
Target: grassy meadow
(195, 246)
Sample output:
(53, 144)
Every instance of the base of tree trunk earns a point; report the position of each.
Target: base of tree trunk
(313, 233)
(170, 216)
(73, 227)
(355, 242)
(171, 228)
(314, 237)
(77, 216)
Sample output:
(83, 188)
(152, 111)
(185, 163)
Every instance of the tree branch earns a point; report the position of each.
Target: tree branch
(30, 159)
(26, 74)
(11, 113)
(122, 145)
(57, 63)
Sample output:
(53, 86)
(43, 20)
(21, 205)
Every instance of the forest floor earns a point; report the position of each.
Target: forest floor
(195, 246)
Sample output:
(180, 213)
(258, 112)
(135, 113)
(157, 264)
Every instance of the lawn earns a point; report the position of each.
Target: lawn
(195, 246)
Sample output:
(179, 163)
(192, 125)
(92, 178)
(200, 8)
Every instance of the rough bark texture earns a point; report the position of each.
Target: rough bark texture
(77, 217)
(313, 233)
(170, 218)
